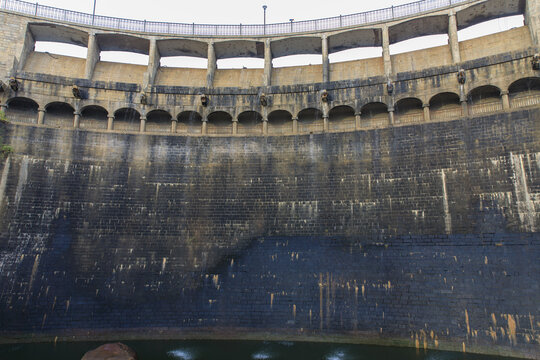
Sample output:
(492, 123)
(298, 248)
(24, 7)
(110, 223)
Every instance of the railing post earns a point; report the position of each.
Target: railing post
(144, 26)
(240, 28)
(193, 30)
(35, 14)
(393, 12)
(340, 21)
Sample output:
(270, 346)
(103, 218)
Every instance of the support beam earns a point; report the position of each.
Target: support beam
(110, 122)
(92, 56)
(142, 127)
(204, 126)
(41, 116)
(212, 65)
(174, 125)
(265, 126)
(358, 120)
(386, 52)
(505, 100)
(76, 119)
(235, 126)
(267, 63)
(391, 116)
(295, 125)
(326, 125)
(153, 66)
(325, 60)
(453, 38)
(427, 116)
(28, 47)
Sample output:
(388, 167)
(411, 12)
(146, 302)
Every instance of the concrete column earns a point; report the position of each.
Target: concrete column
(92, 56)
(153, 65)
(265, 126)
(110, 122)
(386, 51)
(505, 100)
(76, 119)
(326, 126)
(391, 115)
(41, 116)
(453, 38)
(235, 126)
(28, 46)
(295, 125)
(212, 65)
(532, 20)
(267, 63)
(427, 117)
(174, 125)
(464, 108)
(142, 126)
(358, 120)
(325, 60)
(204, 126)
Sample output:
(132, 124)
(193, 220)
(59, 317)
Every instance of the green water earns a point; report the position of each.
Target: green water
(234, 350)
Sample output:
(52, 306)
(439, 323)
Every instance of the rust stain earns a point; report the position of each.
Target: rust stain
(467, 322)
(271, 300)
(436, 342)
(494, 320)
(512, 330)
(485, 260)
(294, 311)
(463, 348)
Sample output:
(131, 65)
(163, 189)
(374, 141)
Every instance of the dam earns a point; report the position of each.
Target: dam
(392, 200)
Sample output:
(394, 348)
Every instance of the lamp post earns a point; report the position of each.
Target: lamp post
(94, 12)
(291, 20)
(264, 9)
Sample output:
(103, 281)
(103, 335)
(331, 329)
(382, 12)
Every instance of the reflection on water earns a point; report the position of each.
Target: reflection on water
(234, 350)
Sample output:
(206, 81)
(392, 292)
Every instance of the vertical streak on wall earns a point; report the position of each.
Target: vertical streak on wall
(23, 176)
(524, 203)
(3, 179)
(447, 217)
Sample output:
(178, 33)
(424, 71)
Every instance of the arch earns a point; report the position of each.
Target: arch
(280, 122)
(189, 122)
(409, 111)
(93, 117)
(250, 123)
(219, 123)
(127, 119)
(158, 121)
(374, 115)
(524, 92)
(22, 109)
(59, 114)
(445, 106)
(341, 118)
(310, 120)
(484, 99)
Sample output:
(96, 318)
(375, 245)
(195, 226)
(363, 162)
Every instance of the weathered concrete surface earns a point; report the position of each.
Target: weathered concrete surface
(116, 351)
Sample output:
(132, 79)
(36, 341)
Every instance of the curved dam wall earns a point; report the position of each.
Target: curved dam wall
(392, 200)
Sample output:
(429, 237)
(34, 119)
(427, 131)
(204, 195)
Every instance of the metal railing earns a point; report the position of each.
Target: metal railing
(329, 23)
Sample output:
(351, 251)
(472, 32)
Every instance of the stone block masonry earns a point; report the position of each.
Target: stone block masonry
(423, 235)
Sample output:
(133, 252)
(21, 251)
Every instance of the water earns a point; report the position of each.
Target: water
(235, 350)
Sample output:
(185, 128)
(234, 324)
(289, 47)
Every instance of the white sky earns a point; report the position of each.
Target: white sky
(250, 12)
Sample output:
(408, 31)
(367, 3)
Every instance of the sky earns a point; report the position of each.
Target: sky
(250, 12)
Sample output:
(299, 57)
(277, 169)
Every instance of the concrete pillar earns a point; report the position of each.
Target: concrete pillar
(153, 65)
(110, 122)
(267, 63)
(386, 51)
(532, 20)
(92, 56)
(453, 37)
(235, 126)
(427, 117)
(391, 115)
(265, 126)
(174, 125)
(326, 125)
(358, 120)
(295, 125)
(464, 107)
(204, 126)
(325, 60)
(76, 119)
(505, 100)
(41, 116)
(212, 65)
(28, 46)
(142, 126)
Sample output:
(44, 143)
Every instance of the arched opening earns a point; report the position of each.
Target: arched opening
(127, 119)
(310, 121)
(445, 106)
(524, 92)
(374, 115)
(341, 118)
(189, 122)
(279, 122)
(158, 121)
(219, 123)
(93, 117)
(250, 123)
(59, 114)
(484, 100)
(409, 111)
(22, 110)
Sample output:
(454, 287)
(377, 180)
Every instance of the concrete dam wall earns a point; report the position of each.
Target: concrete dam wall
(399, 208)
